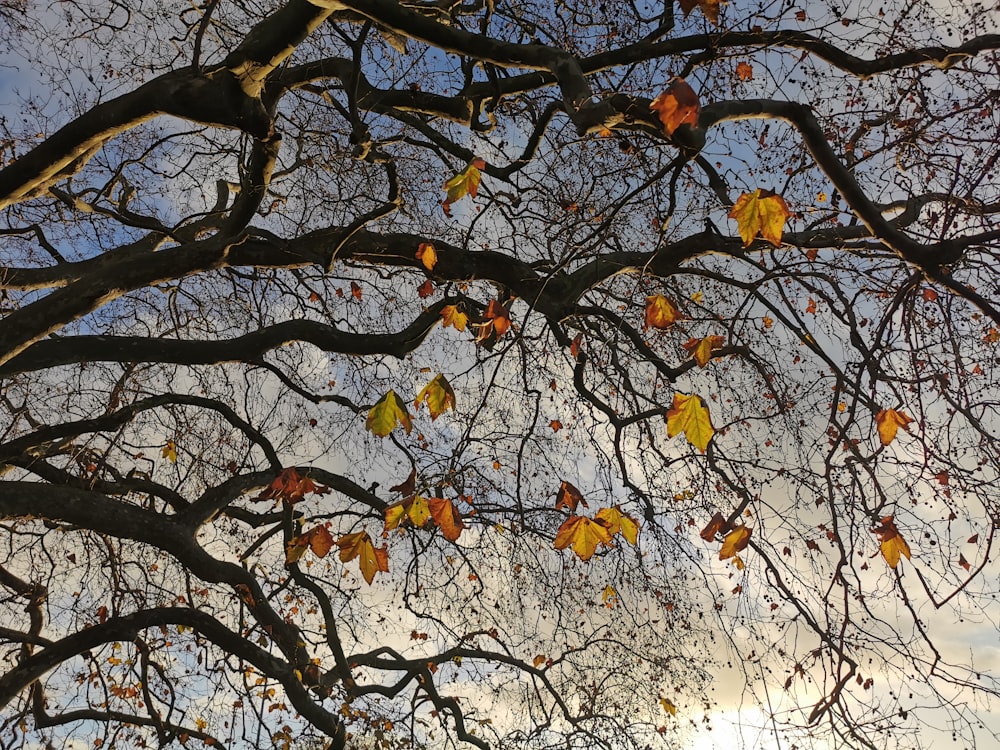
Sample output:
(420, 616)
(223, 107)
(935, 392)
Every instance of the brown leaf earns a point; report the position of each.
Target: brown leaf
(677, 106)
(569, 497)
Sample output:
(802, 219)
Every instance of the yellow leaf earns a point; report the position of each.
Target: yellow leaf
(701, 349)
(415, 509)
(419, 511)
(610, 596)
(386, 414)
(169, 451)
(660, 312)
(394, 515)
(464, 183)
(584, 534)
(735, 542)
(891, 543)
(616, 521)
(667, 706)
(677, 106)
(439, 396)
(427, 255)
(690, 416)
(371, 560)
(889, 421)
(538, 661)
(761, 212)
(452, 316)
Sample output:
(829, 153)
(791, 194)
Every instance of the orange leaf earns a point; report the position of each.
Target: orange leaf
(677, 106)
(889, 421)
(446, 517)
(426, 289)
(495, 324)
(320, 541)
(454, 317)
(718, 525)
(690, 416)
(370, 560)
(574, 347)
(556, 425)
(583, 534)
(427, 255)
(616, 521)
(701, 349)
(735, 542)
(290, 487)
(661, 312)
(763, 212)
(569, 497)
(891, 544)
(355, 290)
(710, 8)
(744, 70)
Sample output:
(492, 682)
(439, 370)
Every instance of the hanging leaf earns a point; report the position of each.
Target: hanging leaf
(677, 106)
(735, 542)
(291, 488)
(690, 416)
(464, 183)
(416, 509)
(891, 544)
(760, 212)
(371, 560)
(889, 421)
(618, 522)
(661, 312)
(709, 8)
(452, 316)
(169, 451)
(386, 414)
(667, 706)
(427, 255)
(701, 349)
(569, 497)
(583, 534)
(446, 517)
(744, 70)
(439, 396)
(494, 324)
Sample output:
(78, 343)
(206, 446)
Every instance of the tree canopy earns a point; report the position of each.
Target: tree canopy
(525, 374)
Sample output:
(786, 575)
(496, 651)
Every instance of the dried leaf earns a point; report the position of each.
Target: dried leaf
(569, 497)
(616, 521)
(446, 517)
(452, 316)
(667, 706)
(464, 183)
(677, 106)
(891, 543)
(744, 70)
(169, 451)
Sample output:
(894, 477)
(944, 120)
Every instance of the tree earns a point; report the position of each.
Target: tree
(499, 374)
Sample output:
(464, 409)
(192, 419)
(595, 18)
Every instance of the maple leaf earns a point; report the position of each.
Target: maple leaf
(701, 349)
(744, 70)
(427, 255)
(761, 211)
(889, 421)
(584, 534)
(318, 539)
(290, 487)
(371, 560)
(408, 486)
(661, 312)
(710, 8)
(452, 316)
(609, 596)
(690, 416)
(169, 451)
(495, 324)
(677, 106)
(439, 396)
(464, 183)
(891, 544)
(386, 414)
(416, 509)
(569, 497)
(446, 517)
(735, 542)
(426, 289)
(616, 521)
